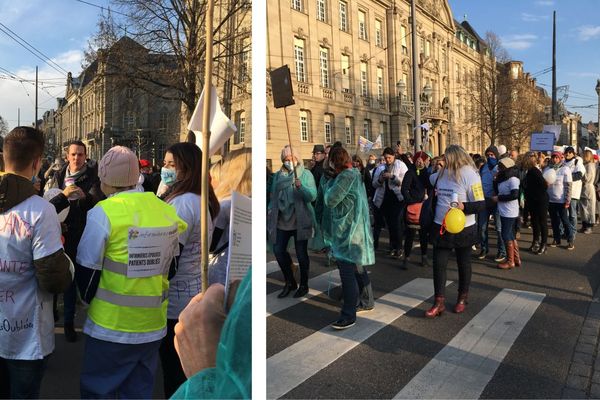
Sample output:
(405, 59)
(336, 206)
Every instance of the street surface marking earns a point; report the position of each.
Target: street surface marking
(320, 349)
(316, 286)
(463, 368)
(272, 266)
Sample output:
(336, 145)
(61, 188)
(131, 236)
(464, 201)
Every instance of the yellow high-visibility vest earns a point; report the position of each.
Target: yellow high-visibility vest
(124, 303)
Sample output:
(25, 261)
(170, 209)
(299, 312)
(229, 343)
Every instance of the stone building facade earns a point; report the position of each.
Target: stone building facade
(351, 67)
(102, 108)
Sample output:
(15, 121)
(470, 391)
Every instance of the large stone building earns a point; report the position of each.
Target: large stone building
(103, 108)
(351, 66)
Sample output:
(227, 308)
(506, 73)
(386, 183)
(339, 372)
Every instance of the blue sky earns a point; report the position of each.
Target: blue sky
(525, 28)
(59, 29)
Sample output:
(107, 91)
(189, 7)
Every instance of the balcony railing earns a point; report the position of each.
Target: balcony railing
(303, 88)
(327, 93)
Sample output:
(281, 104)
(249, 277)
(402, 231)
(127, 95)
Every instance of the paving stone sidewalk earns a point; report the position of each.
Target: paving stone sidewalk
(583, 380)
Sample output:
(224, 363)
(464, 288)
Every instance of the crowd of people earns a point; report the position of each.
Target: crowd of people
(132, 258)
(323, 208)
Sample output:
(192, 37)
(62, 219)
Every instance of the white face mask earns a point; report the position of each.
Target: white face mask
(372, 162)
(288, 165)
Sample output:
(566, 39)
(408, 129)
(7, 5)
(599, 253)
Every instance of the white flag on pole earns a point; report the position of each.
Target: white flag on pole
(552, 129)
(378, 143)
(221, 127)
(364, 144)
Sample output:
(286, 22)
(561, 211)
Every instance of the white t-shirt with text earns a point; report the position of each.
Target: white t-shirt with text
(508, 209)
(468, 188)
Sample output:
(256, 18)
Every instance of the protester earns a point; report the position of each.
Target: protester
(318, 156)
(458, 179)
(588, 193)
(559, 196)
(502, 152)
(575, 164)
(126, 250)
(507, 186)
(80, 187)
(488, 173)
(149, 180)
(415, 189)
(40, 269)
(184, 195)
(349, 236)
(292, 215)
(52, 172)
(536, 203)
(387, 181)
(216, 348)
(236, 177)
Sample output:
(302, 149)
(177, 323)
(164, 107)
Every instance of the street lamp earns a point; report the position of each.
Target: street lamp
(598, 91)
(427, 91)
(401, 86)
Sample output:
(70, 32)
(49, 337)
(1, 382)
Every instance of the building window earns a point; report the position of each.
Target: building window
(364, 83)
(444, 65)
(297, 5)
(324, 65)
(304, 126)
(379, 83)
(348, 130)
(405, 80)
(378, 33)
(367, 129)
(344, 16)
(129, 93)
(240, 122)
(244, 62)
(403, 39)
(327, 128)
(345, 73)
(322, 10)
(457, 73)
(162, 121)
(299, 59)
(362, 25)
(427, 48)
(382, 131)
(129, 120)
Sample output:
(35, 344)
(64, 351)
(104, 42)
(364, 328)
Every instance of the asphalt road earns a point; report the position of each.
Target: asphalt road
(404, 354)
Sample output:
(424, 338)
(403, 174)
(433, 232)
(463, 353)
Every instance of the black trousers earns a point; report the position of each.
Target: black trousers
(440, 262)
(539, 222)
(173, 375)
(394, 219)
(409, 237)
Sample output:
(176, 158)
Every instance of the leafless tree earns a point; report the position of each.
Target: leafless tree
(3, 129)
(175, 30)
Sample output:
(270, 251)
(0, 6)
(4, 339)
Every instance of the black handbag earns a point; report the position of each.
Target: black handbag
(428, 209)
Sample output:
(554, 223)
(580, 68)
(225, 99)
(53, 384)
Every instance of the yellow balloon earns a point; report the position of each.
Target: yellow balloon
(455, 220)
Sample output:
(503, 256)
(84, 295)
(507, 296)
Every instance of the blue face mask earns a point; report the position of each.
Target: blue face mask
(288, 165)
(492, 162)
(168, 176)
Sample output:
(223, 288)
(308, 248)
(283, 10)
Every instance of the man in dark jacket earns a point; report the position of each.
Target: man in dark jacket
(318, 156)
(34, 267)
(80, 191)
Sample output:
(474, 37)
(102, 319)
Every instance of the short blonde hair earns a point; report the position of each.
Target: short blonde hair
(588, 156)
(236, 174)
(456, 158)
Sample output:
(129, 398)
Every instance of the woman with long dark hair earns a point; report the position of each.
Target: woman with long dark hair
(458, 182)
(349, 235)
(184, 195)
(536, 203)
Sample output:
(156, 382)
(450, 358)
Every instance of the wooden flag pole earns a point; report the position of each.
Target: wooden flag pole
(204, 214)
(287, 125)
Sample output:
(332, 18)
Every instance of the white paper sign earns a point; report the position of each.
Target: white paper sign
(221, 128)
(240, 239)
(151, 250)
(555, 129)
(542, 141)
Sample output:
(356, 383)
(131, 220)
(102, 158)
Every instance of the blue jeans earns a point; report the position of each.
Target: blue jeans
(21, 379)
(284, 259)
(573, 216)
(483, 221)
(559, 214)
(354, 278)
(508, 228)
(115, 370)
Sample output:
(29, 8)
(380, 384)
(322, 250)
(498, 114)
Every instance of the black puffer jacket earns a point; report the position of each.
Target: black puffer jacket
(75, 222)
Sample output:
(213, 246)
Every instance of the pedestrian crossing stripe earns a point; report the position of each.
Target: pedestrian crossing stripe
(284, 373)
(317, 286)
(464, 367)
(272, 266)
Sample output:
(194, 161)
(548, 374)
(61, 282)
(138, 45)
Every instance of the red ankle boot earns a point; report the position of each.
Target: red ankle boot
(438, 308)
(461, 303)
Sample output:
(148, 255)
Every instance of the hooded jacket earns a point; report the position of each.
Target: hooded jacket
(52, 272)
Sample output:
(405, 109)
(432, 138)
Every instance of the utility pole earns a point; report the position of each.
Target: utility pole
(554, 103)
(415, 78)
(36, 97)
(18, 116)
(598, 120)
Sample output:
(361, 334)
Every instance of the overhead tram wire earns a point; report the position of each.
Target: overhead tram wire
(46, 60)
(102, 7)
